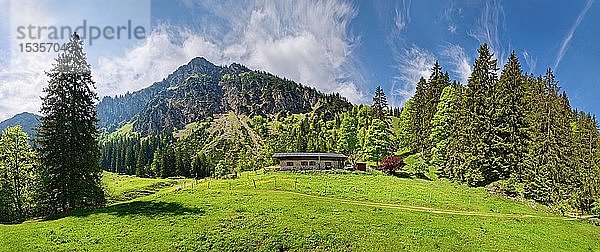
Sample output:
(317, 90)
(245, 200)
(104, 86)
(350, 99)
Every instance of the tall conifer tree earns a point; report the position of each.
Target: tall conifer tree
(508, 135)
(477, 166)
(380, 104)
(417, 122)
(548, 160)
(427, 96)
(68, 135)
(443, 124)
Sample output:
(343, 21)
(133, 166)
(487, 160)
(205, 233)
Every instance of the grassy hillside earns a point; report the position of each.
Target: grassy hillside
(124, 187)
(314, 211)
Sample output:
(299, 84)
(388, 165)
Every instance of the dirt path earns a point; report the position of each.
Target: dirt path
(413, 208)
(394, 206)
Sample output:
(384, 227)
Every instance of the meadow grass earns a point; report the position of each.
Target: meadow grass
(309, 211)
(124, 187)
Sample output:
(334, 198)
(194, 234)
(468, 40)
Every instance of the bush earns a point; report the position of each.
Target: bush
(508, 187)
(391, 163)
(417, 165)
(222, 170)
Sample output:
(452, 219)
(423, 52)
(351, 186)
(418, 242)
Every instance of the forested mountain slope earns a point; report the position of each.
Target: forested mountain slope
(201, 89)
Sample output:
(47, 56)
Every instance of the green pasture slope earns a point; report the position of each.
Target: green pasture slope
(124, 187)
(311, 211)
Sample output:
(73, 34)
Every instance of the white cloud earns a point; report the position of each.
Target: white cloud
(531, 61)
(151, 61)
(410, 61)
(21, 83)
(303, 41)
(306, 41)
(452, 28)
(448, 16)
(567, 40)
(411, 64)
(458, 60)
(488, 30)
(402, 18)
(22, 76)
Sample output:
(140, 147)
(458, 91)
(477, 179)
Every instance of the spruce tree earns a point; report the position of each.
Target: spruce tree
(436, 84)
(456, 151)
(548, 176)
(586, 165)
(380, 104)
(427, 96)
(508, 137)
(415, 112)
(67, 135)
(477, 168)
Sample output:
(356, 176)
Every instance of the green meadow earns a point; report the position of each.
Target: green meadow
(315, 211)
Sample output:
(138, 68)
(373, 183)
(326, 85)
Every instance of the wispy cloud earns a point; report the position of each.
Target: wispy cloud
(489, 27)
(567, 40)
(459, 62)
(530, 60)
(411, 64)
(449, 14)
(402, 18)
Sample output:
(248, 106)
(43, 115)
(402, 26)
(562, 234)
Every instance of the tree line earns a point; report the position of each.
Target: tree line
(359, 133)
(516, 132)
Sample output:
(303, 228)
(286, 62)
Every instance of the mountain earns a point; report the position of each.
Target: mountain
(28, 122)
(115, 112)
(200, 90)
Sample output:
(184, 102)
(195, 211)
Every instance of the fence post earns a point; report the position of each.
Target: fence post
(209, 184)
(254, 181)
(295, 183)
(275, 183)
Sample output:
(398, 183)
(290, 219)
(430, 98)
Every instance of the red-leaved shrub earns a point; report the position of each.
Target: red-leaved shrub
(391, 163)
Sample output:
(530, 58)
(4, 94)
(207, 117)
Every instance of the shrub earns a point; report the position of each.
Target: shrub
(222, 170)
(391, 163)
(417, 165)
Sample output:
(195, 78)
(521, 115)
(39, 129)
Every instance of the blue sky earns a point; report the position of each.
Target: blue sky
(336, 46)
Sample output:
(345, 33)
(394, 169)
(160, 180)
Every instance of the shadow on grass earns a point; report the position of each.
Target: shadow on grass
(402, 174)
(422, 176)
(408, 175)
(143, 208)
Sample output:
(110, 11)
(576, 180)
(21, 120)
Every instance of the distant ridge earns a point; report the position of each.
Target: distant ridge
(28, 122)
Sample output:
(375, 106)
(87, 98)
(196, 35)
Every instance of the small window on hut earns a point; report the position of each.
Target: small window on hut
(312, 163)
(289, 164)
(304, 163)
